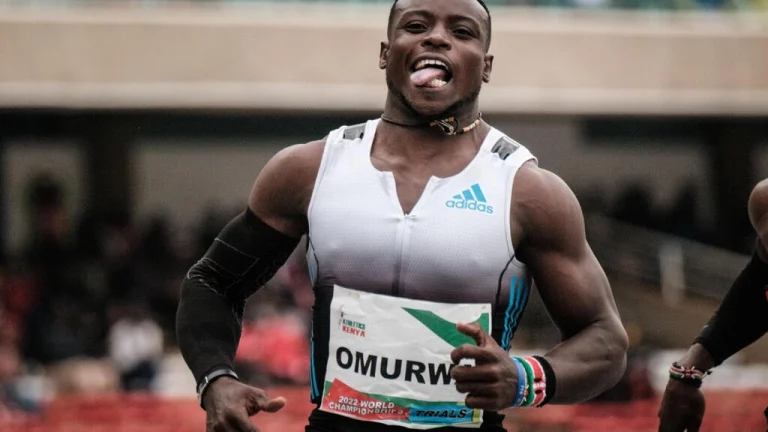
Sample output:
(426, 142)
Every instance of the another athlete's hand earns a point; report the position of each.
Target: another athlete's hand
(682, 408)
(229, 404)
(491, 383)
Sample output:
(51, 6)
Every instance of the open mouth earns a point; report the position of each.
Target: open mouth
(430, 73)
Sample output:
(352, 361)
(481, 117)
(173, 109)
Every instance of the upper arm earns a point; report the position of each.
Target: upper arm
(570, 280)
(758, 211)
(281, 193)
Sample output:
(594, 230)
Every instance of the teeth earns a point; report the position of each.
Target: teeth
(424, 63)
(436, 83)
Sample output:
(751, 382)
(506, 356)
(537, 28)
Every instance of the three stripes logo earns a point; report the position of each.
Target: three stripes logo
(470, 199)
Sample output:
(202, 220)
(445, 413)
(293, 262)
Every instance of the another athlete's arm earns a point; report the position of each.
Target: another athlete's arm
(742, 317)
(592, 355)
(740, 320)
(244, 256)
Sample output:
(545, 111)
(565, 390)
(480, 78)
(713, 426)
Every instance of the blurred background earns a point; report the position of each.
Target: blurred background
(131, 131)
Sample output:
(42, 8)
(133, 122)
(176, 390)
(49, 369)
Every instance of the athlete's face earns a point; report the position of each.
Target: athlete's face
(436, 58)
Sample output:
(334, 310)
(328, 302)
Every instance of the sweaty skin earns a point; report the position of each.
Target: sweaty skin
(682, 408)
(547, 224)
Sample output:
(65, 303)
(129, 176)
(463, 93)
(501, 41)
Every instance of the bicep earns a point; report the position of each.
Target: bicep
(570, 280)
(574, 289)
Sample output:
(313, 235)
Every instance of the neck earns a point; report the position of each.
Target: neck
(448, 123)
(426, 143)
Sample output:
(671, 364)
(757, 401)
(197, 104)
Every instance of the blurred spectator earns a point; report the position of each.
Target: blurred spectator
(11, 395)
(157, 273)
(135, 347)
(94, 306)
(57, 323)
(48, 256)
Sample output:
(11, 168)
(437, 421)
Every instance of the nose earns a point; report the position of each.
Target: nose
(436, 38)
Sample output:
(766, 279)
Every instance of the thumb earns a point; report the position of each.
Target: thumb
(257, 400)
(272, 405)
(474, 331)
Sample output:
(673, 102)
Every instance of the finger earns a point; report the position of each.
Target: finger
(478, 374)
(274, 405)
(480, 402)
(258, 401)
(478, 389)
(467, 351)
(474, 331)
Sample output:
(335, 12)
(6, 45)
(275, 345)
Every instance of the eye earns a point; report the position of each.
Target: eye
(415, 27)
(463, 32)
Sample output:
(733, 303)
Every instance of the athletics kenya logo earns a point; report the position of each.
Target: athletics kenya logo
(352, 327)
(470, 199)
(445, 329)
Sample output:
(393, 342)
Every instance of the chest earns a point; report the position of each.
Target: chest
(430, 238)
(411, 180)
(409, 187)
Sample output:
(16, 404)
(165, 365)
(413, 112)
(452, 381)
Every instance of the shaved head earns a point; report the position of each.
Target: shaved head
(393, 9)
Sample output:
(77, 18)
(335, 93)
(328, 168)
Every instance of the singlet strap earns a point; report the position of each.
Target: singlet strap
(505, 146)
(354, 132)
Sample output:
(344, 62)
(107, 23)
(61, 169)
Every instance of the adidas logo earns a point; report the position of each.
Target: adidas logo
(470, 199)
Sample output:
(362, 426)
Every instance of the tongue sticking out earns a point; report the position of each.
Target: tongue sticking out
(421, 77)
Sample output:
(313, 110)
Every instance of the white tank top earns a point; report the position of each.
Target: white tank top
(455, 246)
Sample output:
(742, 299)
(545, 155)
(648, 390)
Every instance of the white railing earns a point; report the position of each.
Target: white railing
(676, 265)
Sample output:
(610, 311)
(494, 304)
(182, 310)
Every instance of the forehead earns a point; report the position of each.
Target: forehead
(456, 8)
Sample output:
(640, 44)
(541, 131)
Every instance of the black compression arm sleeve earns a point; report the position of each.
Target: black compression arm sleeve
(742, 317)
(245, 255)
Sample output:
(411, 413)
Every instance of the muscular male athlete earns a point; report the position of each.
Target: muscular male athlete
(740, 320)
(429, 202)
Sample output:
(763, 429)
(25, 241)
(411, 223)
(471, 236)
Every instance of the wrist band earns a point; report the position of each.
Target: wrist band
(689, 375)
(529, 372)
(208, 379)
(539, 382)
(521, 383)
(550, 381)
(535, 383)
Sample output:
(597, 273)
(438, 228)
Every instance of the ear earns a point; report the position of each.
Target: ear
(383, 54)
(488, 68)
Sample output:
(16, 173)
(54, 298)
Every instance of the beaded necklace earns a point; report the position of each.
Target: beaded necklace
(449, 126)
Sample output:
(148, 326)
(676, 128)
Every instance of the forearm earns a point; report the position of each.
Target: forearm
(208, 328)
(245, 255)
(589, 362)
(742, 317)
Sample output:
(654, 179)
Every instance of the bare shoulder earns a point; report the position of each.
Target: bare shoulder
(547, 210)
(758, 214)
(758, 205)
(282, 190)
(296, 164)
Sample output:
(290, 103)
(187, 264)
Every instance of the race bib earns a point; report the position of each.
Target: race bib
(389, 360)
